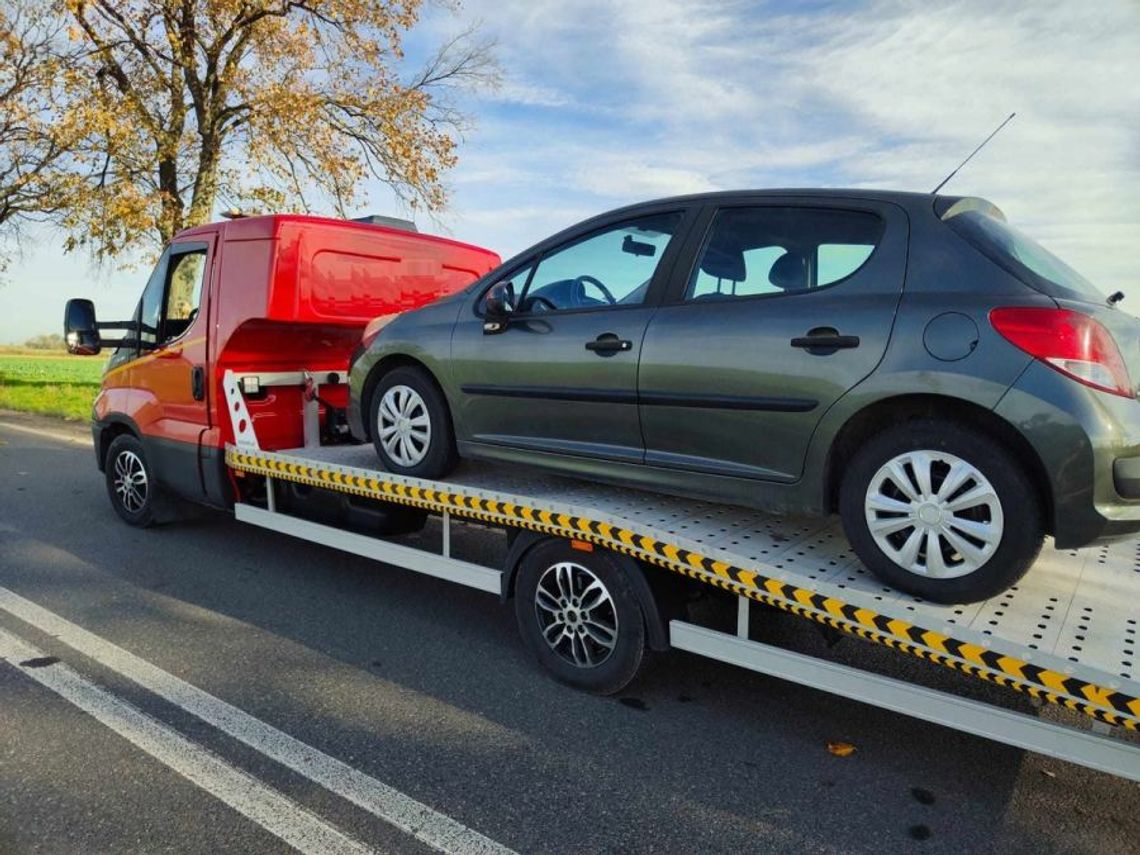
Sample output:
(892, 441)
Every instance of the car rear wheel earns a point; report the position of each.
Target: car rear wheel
(130, 482)
(411, 425)
(580, 617)
(941, 511)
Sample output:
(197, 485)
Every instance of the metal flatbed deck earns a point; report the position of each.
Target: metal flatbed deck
(1066, 634)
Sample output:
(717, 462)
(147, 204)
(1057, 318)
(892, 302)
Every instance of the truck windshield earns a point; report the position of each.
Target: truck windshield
(1023, 257)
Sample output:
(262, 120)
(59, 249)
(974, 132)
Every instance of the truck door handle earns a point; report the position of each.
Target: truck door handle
(198, 383)
(825, 340)
(607, 344)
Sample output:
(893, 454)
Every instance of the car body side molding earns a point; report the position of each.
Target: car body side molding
(652, 399)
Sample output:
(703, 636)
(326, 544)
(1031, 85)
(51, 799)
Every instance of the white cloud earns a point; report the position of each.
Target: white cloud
(639, 100)
(606, 103)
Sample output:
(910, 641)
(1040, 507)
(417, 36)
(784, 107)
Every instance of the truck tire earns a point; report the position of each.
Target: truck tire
(942, 511)
(411, 425)
(134, 492)
(580, 617)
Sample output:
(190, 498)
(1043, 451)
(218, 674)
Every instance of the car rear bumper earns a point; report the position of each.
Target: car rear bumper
(1088, 443)
(1126, 477)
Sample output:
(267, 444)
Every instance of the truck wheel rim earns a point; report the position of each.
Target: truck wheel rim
(130, 481)
(934, 514)
(403, 425)
(576, 615)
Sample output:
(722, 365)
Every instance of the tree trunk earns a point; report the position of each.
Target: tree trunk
(171, 219)
(206, 181)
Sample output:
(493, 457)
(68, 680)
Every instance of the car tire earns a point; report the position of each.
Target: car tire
(965, 531)
(407, 401)
(577, 655)
(135, 494)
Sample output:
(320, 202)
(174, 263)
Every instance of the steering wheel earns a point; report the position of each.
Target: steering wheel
(537, 300)
(580, 290)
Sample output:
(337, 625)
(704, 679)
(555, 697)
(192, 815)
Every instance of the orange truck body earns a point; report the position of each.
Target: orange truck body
(277, 293)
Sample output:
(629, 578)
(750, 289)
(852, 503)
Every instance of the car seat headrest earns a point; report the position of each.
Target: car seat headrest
(724, 263)
(789, 273)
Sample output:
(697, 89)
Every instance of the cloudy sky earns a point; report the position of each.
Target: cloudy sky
(605, 103)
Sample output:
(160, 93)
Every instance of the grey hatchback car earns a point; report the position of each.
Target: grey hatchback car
(912, 362)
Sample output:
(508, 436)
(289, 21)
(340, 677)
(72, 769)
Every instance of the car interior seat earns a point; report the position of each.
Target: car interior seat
(790, 272)
(727, 267)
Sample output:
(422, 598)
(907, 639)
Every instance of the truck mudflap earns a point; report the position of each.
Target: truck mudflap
(1065, 635)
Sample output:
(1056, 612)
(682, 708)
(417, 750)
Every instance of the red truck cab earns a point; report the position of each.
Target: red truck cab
(253, 296)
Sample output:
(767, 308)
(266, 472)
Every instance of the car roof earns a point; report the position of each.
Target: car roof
(905, 198)
(915, 204)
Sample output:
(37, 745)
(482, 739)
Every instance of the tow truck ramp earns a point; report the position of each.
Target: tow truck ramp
(1065, 635)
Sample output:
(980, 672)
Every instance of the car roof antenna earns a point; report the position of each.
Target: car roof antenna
(945, 180)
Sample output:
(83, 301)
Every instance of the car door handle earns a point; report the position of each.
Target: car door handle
(825, 340)
(608, 344)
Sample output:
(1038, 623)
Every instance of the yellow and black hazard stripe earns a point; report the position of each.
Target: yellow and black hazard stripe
(1104, 704)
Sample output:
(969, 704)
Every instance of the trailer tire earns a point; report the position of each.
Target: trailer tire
(134, 492)
(583, 601)
(427, 448)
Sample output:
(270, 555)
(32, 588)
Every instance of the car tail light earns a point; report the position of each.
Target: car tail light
(1070, 342)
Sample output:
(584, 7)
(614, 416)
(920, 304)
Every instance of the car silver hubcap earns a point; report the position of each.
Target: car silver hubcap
(130, 481)
(934, 514)
(576, 615)
(404, 426)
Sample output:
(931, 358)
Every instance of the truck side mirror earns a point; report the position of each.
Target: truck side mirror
(80, 330)
(497, 307)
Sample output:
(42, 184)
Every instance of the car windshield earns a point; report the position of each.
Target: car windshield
(1022, 256)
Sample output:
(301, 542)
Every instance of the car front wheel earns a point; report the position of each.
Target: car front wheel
(941, 511)
(411, 426)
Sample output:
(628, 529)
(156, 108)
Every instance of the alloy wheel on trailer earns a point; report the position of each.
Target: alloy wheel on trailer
(934, 514)
(577, 615)
(130, 481)
(403, 425)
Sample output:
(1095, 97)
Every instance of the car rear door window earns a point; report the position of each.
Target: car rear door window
(771, 251)
(611, 267)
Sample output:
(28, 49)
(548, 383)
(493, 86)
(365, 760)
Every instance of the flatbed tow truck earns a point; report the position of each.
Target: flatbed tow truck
(1065, 635)
(228, 391)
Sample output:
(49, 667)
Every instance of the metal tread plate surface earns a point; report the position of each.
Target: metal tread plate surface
(1067, 632)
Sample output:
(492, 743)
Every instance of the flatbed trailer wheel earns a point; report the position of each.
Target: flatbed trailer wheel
(579, 615)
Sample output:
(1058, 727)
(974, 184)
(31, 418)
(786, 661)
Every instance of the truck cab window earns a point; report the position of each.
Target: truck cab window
(183, 293)
(172, 296)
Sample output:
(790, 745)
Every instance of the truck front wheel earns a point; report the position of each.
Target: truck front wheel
(580, 617)
(131, 485)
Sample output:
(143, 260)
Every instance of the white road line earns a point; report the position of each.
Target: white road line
(50, 434)
(267, 807)
(437, 830)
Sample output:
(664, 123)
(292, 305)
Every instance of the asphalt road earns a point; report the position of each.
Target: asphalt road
(402, 693)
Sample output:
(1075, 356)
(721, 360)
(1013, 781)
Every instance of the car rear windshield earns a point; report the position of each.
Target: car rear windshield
(1022, 256)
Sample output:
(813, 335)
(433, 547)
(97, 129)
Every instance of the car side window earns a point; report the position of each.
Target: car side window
(781, 250)
(611, 267)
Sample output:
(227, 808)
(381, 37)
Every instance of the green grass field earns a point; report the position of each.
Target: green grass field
(51, 383)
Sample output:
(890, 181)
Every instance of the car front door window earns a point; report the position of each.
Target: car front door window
(613, 267)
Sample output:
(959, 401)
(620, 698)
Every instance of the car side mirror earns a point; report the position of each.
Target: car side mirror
(497, 307)
(80, 330)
